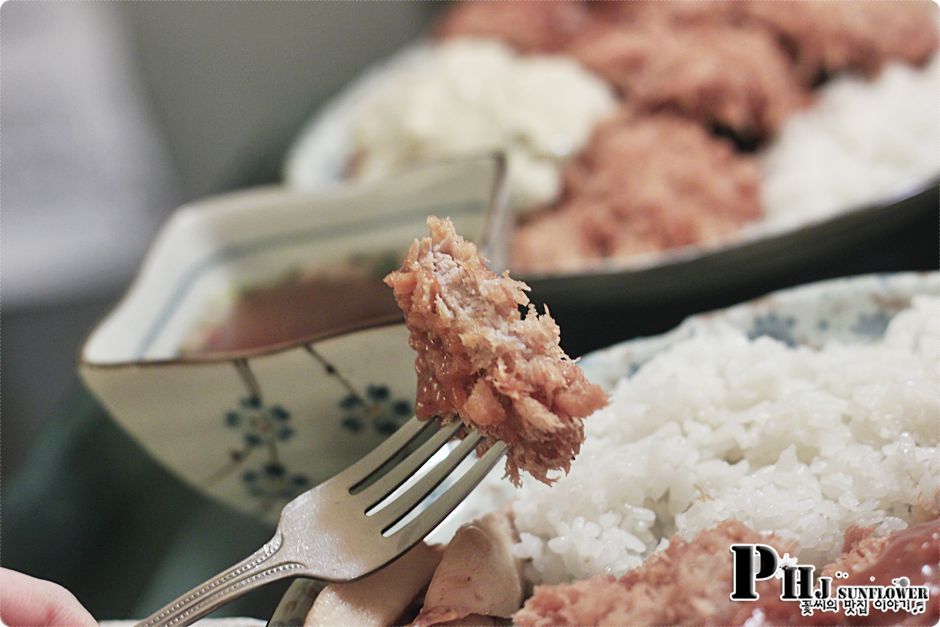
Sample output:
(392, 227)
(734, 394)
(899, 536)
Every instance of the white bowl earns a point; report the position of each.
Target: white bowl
(253, 428)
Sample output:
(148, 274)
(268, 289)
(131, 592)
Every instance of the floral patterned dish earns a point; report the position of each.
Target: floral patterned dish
(848, 310)
(255, 427)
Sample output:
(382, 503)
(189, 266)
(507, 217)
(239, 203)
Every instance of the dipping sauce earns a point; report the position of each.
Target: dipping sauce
(291, 309)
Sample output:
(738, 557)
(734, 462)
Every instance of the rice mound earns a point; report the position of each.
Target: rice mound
(795, 441)
(863, 141)
(470, 97)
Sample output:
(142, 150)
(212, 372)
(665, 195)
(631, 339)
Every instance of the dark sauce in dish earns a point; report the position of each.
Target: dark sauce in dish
(289, 310)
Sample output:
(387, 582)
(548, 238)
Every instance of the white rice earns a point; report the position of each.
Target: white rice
(469, 97)
(863, 141)
(796, 441)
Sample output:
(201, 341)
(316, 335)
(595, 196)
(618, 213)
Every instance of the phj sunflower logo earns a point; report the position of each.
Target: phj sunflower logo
(799, 583)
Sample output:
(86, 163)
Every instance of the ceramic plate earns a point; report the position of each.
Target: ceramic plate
(757, 255)
(855, 310)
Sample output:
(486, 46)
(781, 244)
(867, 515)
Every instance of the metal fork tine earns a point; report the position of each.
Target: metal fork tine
(382, 453)
(430, 518)
(407, 467)
(404, 503)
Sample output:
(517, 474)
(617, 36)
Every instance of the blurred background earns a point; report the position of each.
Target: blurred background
(112, 115)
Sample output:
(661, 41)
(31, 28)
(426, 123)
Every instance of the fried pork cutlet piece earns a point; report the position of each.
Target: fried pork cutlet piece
(643, 184)
(913, 553)
(682, 12)
(826, 37)
(558, 240)
(482, 361)
(688, 583)
(860, 549)
(718, 74)
(527, 26)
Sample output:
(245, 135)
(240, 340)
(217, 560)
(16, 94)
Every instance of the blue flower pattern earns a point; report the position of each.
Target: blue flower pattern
(872, 325)
(775, 326)
(273, 482)
(260, 424)
(264, 427)
(376, 410)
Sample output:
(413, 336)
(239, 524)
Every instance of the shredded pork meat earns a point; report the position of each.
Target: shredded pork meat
(643, 184)
(717, 74)
(690, 582)
(480, 359)
(826, 37)
(527, 26)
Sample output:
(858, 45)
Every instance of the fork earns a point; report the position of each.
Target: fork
(334, 532)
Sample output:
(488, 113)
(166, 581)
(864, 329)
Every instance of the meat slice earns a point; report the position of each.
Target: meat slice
(562, 239)
(380, 599)
(643, 184)
(688, 583)
(527, 26)
(480, 359)
(478, 575)
(913, 553)
(718, 74)
(860, 549)
(475, 620)
(826, 37)
(681, 12)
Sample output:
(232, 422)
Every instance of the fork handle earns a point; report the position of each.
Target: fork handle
(258, 569)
